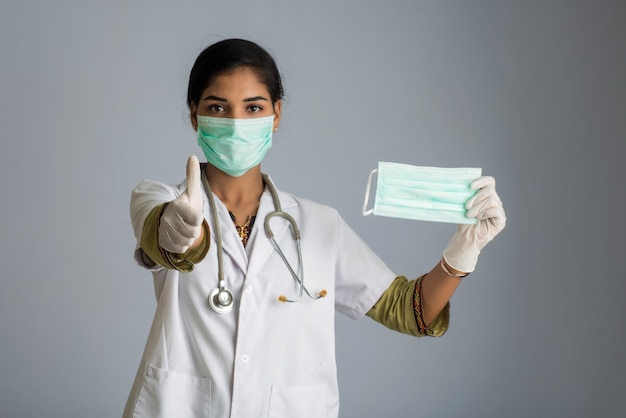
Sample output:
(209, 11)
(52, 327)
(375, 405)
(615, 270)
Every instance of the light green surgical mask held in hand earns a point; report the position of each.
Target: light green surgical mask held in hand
(432, 194)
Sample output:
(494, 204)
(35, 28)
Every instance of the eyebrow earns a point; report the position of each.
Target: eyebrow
(254, 99)
(249, 99)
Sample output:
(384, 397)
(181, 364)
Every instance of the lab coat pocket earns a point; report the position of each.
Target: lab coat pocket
(169, 394)
(289, 401)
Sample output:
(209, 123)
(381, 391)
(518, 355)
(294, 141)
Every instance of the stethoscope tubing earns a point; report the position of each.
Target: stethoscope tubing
(220, 298)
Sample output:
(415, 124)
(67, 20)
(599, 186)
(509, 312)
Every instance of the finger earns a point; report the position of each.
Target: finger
(483, 181)
(171, 240)
(493, 214)
(484, 195)
(479, 207)
(189, 217)
(477, 211)
(493, 223)
(174, 241)
(486, 191)
(184, 225)
(194, 191)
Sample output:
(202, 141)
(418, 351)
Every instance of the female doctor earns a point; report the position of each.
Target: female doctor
(248, 277)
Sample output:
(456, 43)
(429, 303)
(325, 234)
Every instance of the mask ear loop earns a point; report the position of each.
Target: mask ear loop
(365, 211)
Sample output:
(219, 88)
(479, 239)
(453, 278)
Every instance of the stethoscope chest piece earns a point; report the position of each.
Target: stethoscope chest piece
(221, 300)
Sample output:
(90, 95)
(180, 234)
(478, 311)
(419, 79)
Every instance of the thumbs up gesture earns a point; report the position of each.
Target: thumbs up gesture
(181, 221)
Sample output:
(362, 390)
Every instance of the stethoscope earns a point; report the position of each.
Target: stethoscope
(221, 299)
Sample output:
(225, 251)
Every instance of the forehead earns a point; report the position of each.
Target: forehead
(239, 82)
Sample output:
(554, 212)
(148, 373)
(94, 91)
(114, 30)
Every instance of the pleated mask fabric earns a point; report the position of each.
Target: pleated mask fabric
(433, 194)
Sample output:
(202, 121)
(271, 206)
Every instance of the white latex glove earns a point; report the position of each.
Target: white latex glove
(181, 221)
(465, 246)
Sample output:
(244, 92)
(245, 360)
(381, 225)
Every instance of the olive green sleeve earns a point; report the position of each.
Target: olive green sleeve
(400, 309)
(150, 246)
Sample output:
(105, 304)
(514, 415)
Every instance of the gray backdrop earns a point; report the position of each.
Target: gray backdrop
(92, 97)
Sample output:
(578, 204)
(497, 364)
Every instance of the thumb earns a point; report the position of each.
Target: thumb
(194, 192)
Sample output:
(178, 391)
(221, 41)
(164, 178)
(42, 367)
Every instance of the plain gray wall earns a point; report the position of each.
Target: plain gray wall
(92, 97)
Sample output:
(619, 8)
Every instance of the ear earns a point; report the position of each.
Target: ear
(278, 107)
(193, 115)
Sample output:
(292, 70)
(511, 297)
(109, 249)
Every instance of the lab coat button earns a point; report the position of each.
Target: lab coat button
(248, 289)
(245, 358)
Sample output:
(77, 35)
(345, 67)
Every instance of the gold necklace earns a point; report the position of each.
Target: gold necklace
(244, 230)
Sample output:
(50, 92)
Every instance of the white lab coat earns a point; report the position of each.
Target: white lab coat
(264, 358)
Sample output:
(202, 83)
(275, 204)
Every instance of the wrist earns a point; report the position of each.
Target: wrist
(461, 254)
(451, 271)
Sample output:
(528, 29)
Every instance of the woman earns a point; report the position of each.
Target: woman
(235, 332)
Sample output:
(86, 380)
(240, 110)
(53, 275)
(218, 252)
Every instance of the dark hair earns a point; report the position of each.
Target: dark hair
(226, 55)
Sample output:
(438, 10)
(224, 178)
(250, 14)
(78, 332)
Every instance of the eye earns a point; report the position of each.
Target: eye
(254, 108)
(216, 108)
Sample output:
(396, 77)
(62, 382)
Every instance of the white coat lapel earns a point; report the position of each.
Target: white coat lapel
(231, 244)
(261, 245)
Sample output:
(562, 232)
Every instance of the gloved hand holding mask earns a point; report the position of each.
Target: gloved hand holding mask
(455, 195)
(465, 246)
(181, 221)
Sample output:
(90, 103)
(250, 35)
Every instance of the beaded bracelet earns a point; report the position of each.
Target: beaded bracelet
(449, 273)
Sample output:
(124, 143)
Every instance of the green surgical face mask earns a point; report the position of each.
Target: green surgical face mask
(432, 194)
(235, 145)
